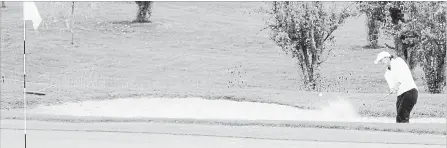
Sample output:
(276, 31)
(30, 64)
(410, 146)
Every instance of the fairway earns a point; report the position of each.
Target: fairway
(212, 50)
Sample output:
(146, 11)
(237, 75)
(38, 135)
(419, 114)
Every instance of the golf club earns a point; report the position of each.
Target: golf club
(387, 95)
(382, 97)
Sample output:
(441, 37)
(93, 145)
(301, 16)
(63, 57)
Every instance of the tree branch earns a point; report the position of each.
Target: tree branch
(388, 46)
(339, 22)
(269, 26)
(329, 34)
(327, 57)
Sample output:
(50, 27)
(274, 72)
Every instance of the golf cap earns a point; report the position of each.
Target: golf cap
(381, 55)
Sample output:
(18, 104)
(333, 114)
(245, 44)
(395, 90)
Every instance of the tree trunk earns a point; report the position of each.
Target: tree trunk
(3, 4)
(372, 30)
(144, 11)
(434, 66)
(445, 64)
(307, 56)
(310, 74)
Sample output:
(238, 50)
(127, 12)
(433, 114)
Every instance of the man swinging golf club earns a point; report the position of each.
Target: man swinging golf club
(400, 82)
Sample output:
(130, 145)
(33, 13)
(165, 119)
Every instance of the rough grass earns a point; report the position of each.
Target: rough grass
(212, 49)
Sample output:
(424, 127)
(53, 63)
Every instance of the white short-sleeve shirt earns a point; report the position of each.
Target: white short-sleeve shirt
(400, 72)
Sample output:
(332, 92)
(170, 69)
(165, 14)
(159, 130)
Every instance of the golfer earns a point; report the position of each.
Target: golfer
(400, 82)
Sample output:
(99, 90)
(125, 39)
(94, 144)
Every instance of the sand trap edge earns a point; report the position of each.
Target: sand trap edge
(418, 128)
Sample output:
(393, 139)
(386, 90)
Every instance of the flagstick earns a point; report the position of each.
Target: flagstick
(24, 75)
(33, 15)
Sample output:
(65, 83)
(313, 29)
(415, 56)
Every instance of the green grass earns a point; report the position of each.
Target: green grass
(212, 49)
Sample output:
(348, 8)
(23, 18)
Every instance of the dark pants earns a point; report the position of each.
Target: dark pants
(404, 105)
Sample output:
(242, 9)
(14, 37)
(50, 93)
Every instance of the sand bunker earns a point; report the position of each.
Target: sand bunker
(198, 108)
